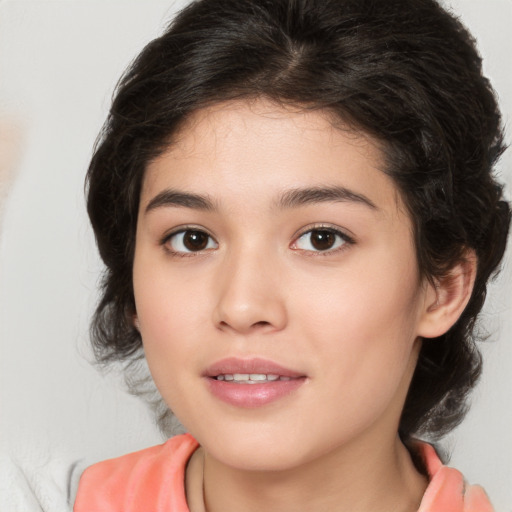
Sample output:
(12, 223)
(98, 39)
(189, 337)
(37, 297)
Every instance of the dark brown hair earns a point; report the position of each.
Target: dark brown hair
(406, 72)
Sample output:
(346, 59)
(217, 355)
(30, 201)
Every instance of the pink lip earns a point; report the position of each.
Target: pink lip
(251, 395)
(254, 365)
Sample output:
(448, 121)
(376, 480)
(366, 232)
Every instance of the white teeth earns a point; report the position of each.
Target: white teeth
(257, 376)
(251, 378)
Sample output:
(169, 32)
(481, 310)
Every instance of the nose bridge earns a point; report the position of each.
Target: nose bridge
(249, 295)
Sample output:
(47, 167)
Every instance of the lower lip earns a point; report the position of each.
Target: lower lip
(253, 395)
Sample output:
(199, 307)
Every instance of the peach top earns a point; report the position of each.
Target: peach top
(153, 480)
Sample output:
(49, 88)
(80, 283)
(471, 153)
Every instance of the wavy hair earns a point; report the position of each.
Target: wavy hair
(405, 72)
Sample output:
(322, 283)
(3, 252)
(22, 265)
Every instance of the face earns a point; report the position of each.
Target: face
(276, 287)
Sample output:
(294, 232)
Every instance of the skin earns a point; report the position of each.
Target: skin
(350, 319)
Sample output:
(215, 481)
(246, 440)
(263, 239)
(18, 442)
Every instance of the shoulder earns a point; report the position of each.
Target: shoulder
(134, 481)
(35, 480)
(447, 489)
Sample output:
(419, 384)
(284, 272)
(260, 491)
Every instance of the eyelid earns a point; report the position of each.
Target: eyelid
(348, 239)
(183, 229)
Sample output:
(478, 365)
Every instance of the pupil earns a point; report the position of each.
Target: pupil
(195, 240)
(322, 240)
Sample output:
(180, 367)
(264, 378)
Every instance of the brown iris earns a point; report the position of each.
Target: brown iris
(322, 239)
(195, 240)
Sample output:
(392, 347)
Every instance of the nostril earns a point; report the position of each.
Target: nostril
(261, 323)
(256, 325)
(234, 312)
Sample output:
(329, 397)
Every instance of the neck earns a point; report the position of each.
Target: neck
(343, 480)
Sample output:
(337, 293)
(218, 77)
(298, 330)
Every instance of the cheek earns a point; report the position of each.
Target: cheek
(360, 299)
(166, 301)
(365, 350)
(365, 319)
(165, 326)
(166, 311)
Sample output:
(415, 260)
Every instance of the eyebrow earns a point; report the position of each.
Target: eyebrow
(171, 197)
(290, 199)
(303, 196)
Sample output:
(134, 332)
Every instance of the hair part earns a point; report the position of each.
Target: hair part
(405, 72)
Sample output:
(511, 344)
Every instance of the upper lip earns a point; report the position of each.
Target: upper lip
(232, 365)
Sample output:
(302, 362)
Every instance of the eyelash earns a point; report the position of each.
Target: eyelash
(342, 237)
(336, 232)
(165, 241)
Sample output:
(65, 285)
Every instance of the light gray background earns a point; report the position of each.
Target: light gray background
(59, 62)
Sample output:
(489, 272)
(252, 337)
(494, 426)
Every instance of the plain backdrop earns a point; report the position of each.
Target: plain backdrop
(59, 62)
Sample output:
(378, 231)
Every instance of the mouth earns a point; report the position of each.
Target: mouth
(248, 371)
(251, 378)
(250, 383)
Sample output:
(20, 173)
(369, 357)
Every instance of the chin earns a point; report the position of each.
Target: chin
(250, 447)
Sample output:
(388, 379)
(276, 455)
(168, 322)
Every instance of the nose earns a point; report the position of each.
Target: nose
(250, 297)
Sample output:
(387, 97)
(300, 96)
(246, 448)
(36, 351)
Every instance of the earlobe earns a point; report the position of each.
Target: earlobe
(135, 321)
(447, 299)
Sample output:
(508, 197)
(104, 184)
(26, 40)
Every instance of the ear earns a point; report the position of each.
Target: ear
(135, 321)
(447, 298)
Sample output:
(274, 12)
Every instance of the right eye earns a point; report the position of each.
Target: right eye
(189, 241)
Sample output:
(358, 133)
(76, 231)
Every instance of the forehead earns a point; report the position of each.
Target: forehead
(219, 128)
(259, 147)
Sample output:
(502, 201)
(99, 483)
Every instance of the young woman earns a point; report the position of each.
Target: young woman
(295, 204)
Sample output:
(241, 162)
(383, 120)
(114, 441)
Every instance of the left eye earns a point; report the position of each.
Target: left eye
(320, 240)
(191, 240)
